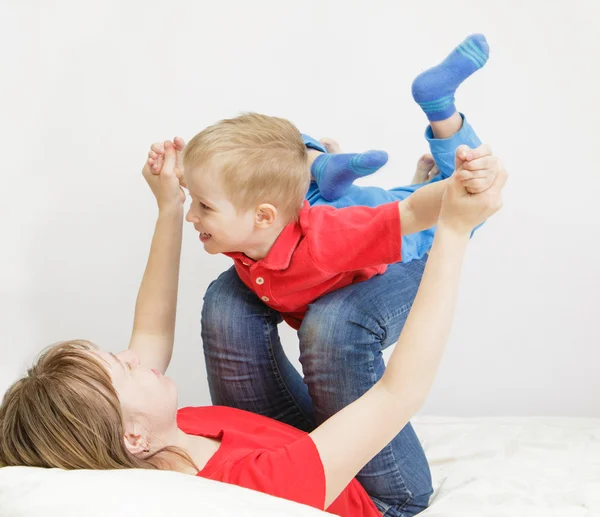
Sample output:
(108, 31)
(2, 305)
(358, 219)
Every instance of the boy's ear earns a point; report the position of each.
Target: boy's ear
(265, 215)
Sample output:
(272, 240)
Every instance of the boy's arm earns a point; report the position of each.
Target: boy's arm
(421, 209)
(154, 321)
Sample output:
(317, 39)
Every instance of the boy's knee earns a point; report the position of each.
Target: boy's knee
(228, 298)
(223, 286)
(336, 323)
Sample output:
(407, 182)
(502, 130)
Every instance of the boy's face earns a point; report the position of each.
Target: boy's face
(222, 229)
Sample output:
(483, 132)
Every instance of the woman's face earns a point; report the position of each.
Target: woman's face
(148, 398)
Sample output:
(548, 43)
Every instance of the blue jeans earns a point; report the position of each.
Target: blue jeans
(341, 342)
(414, 246)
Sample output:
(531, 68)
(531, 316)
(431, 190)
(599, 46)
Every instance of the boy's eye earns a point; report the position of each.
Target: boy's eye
(128, 366)
(204, 207)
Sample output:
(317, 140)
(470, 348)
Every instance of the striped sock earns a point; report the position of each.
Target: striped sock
(335, 173)
(434, 89)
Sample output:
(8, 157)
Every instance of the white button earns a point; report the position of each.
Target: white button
(260, 280)
(265, 298)
(245, 263)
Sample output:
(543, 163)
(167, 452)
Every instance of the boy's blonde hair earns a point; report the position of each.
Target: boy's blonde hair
(260, 159)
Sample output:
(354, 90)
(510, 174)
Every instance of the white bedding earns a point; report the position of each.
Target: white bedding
(486, 467)
(491, 467)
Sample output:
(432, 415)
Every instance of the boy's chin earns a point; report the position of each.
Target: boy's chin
(210, 250)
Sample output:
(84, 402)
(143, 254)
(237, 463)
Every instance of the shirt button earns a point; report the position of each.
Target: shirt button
(245, 263)
(260, 280)
(265, 298)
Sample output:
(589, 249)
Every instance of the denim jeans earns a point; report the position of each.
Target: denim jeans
(341, 342)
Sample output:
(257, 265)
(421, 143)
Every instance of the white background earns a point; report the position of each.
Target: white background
(87, 86)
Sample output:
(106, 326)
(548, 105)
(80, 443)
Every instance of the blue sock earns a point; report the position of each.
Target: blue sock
(434, 89)
(335, 173)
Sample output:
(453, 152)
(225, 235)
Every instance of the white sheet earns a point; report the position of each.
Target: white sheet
(485, 467)
(509, 467)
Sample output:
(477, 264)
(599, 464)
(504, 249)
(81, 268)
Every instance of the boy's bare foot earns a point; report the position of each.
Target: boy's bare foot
(426, 170)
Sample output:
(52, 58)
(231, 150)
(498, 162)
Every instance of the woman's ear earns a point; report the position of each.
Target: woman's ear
(265, 215)
(136, 443)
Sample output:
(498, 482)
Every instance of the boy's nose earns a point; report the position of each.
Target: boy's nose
(190, 217)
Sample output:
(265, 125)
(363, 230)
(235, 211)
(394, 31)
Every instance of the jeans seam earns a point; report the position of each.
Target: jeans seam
(275, 367)
(384, 324)
(389, 452)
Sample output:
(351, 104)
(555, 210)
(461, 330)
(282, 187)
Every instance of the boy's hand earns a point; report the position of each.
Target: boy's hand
(161, 175)
(476, 168)
(463, 211)
(156, 157)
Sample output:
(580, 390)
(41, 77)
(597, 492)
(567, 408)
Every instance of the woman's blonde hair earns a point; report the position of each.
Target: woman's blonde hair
(260, 159)
(65, 413)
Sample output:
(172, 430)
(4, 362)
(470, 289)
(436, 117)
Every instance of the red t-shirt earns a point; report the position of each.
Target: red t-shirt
(325, 250)
(266, 455)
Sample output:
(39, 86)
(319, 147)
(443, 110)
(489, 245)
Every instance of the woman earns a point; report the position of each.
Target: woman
(80, 407)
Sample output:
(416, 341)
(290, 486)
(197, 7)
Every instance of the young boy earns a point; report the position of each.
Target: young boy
(248, 178)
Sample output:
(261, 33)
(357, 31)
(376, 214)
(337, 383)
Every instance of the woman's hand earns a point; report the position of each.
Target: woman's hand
(476, 168)
(463, 210)
(163, 172)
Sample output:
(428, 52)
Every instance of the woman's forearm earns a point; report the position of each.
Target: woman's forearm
(155, 309)
(369, 423)
(412, 365)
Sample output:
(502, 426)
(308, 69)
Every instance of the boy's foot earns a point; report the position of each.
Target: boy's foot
(426, 170)
(434, 89)
(335, 173)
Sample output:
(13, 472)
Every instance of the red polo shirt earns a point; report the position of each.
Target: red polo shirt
(325, 250)
(269, 456)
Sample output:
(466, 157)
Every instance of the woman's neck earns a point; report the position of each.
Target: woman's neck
(199, 448)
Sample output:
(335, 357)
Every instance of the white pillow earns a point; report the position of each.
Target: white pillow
(33, 492)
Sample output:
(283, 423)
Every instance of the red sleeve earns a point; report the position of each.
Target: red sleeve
(357, 237)
(294, 472)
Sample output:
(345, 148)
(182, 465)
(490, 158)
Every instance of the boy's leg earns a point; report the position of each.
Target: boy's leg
(335, 173)
(434, 91)
(245, 362)
(341, 343)
(313, 143)
(444, 142)
(414, 246)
